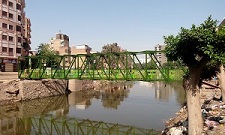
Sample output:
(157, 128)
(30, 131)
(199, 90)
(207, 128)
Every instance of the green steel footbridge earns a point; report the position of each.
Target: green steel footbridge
(134, 66)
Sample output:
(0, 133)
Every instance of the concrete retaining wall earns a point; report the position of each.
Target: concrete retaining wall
(17, 90)
(31, 89)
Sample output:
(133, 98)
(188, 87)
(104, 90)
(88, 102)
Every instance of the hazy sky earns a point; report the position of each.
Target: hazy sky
(136, 25)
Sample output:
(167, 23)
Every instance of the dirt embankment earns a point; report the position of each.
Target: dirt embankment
(7, 76)
(13, 89)
(7, 95)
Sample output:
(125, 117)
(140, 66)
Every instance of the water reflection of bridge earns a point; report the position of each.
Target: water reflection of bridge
(51, 125)
(24, 118)
(73, 126)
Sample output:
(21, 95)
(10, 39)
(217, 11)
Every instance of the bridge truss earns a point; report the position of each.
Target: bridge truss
(98, 66)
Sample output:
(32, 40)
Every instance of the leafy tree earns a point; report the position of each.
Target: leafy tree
(114, 57)
(171, 65)
(151, 65)
(111, 48)
(46, 51)
(196, 48)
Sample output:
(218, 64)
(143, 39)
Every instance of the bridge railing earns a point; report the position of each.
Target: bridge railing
(142, 66)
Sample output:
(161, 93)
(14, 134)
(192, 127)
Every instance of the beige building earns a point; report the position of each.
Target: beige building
(159, 55)
(61, 45)
(14, 32)
(80, 49)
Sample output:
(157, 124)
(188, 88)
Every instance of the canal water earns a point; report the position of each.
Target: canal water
(146, 105)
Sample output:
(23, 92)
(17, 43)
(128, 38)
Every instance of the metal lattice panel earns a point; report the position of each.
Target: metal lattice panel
(98, 66)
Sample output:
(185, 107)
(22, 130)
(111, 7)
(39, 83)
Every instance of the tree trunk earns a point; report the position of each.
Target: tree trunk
(195, 122)
(221, 77)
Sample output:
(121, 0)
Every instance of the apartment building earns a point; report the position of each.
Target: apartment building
(61, 45)
(161, 57)
(14, 33)
(80, 49)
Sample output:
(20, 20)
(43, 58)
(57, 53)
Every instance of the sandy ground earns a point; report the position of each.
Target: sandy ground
(6, 76)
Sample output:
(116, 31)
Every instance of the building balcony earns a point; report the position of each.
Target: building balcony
(18, 54)
(10, 53)
(6, 54)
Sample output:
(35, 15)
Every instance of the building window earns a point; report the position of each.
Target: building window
(19, 39)
(10, 4)
(11, 27)
(4, 37)
(11, 15)
(18, 28)
(10, 38)
(4, 13)
(19, 18)
(18, 50)
(4, 25)
(10, 49)
(18, 6)
(4, 49)
(4, 2)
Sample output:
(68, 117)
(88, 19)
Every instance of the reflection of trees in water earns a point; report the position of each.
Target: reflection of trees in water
(114, 95)
(111, 99)
(84, 97)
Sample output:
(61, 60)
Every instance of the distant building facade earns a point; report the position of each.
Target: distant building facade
(14, 33)
(80, 49)
(60, 44)
(161, 57)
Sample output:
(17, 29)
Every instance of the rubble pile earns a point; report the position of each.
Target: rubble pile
(213, 114)
(177, 125)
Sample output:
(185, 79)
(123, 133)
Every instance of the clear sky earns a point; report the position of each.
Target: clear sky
(136, 25)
